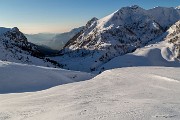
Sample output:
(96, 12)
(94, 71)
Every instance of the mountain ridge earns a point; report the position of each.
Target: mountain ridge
(14, 47)
(117, 34)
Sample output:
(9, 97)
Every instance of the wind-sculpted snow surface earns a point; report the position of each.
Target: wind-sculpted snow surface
(16, 77)
(142, 93)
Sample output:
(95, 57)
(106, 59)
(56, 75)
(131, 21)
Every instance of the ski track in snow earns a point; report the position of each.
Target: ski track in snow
(136, 93)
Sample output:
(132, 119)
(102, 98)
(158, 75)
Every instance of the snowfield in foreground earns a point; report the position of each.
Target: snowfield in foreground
(15, 77)
(136, 93)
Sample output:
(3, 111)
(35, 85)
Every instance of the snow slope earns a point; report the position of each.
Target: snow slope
(4, 30)
(142, 93)
(173, 37)
(171, 15)
(159, 54)
(14, 47)
(16, 77)
(164, 53)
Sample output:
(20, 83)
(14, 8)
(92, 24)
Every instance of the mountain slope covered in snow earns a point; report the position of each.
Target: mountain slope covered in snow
(173, 37)
(166, 17)
(14, 47)
(164, 53)
(115, 35)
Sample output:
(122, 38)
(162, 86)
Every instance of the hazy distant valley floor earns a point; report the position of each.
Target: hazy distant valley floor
(141, 93)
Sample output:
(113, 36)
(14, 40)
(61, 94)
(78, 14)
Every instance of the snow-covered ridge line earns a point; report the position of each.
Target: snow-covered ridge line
(14, 47)
(4, 30)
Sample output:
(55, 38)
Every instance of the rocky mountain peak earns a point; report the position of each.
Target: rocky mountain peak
(15, 29)
(14, 47)
(15, 35)
(90, 22)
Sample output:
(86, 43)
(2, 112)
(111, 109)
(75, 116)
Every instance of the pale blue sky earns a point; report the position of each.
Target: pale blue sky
(34, 16)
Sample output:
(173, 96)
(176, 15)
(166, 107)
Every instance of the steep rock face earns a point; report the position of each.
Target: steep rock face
(14, 47)
(173, 38)
(117, 34)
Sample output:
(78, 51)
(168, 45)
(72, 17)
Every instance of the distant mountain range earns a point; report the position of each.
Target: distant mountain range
(53, 41)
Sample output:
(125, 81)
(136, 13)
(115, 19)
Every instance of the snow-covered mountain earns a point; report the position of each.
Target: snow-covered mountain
(117, 34)
(158, 53)
(14, 47)
(173, 37)
(164, 16)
